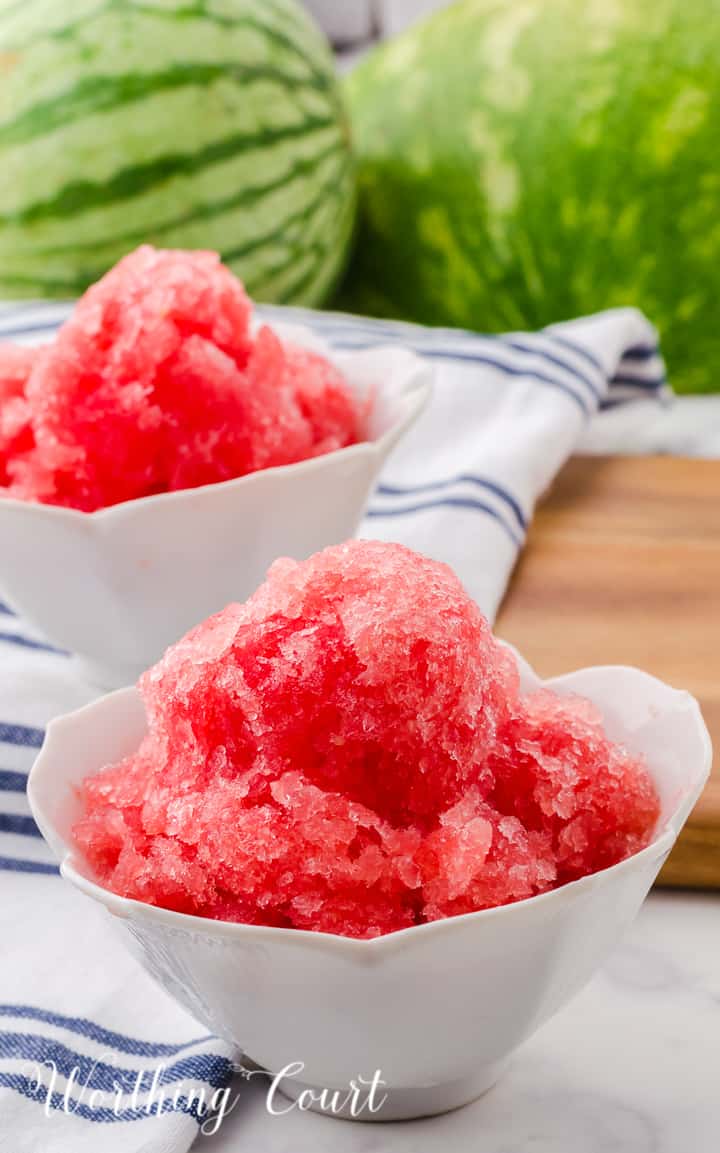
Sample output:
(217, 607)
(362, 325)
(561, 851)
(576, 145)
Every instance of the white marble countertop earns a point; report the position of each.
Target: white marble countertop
(632, 1065)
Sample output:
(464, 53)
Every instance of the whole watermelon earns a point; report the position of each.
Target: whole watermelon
(524, 161)
(186, 123)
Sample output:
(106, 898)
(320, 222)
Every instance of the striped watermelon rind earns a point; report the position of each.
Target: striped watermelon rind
(521, 163)
(185, 123)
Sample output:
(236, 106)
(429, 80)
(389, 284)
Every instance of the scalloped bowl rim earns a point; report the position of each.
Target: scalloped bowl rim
(374, 948)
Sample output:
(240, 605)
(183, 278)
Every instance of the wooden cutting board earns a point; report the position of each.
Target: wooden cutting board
(622, 566)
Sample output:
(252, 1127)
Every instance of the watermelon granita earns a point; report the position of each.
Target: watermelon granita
(157, 383)
(15, 435)
(350, 752)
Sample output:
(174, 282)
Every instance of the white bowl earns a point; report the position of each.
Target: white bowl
(438, 1008)
(119, 585)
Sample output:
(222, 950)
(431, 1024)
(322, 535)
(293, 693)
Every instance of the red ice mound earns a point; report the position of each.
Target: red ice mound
(156, 383)
(348, 752)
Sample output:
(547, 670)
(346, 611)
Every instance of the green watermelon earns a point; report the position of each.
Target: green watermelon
(185, 123)
(525, 161)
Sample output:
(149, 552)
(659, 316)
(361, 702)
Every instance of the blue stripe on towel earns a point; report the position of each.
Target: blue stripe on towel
(29, 643)
(37, 328)
(566, 342)
(365, 332)
(5, 610)
(449, 502)
(491, 362)
(644, 385)
(461, 478)
(19, 824)
(27, 1087)
(94, 1074)
(402, 330)
(616, 402)
(15, 865)
(12, 781)
(551, 358)
(22, 735)
(399, 332)
(368, 331)
(94, 1032)
(39, 319)
(641, 352)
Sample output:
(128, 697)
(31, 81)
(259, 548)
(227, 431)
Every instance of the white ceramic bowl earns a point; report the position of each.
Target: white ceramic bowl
(119, 585)
(438, 1008)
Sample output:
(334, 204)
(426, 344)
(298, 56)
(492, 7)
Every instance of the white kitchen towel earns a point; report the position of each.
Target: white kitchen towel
(92, 1054)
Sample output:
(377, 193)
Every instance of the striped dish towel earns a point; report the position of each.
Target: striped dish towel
(92, 1053)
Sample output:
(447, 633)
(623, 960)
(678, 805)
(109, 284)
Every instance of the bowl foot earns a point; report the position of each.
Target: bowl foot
(400, 1104)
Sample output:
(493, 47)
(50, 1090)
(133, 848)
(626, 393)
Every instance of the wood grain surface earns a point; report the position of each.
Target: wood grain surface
(622, 566)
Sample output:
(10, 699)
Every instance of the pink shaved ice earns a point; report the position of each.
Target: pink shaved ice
(349, 752)
(156, 383)
(16, 436)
